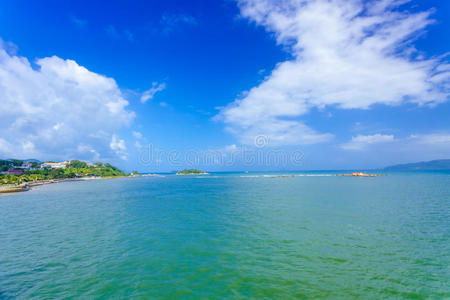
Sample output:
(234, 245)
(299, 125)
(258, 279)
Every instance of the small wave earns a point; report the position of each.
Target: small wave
(286, 175)
(315, 175)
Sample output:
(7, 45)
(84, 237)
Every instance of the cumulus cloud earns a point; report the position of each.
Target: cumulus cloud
(150, 93)
(348, 54)
(140, 139)
(57, 109)
(360, 142)
(118, 146)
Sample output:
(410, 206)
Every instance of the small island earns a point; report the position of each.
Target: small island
(192, 172)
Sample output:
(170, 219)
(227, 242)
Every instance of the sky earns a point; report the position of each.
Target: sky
(226, 85)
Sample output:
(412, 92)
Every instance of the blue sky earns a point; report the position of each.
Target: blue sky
(346, 84)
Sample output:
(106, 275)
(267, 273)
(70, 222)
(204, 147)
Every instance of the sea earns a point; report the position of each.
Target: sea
(229, 236)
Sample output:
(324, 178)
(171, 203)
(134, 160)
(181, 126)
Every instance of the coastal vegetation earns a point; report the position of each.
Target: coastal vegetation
(74, 169)
(191, 172)
(5, 165)
(79, 169)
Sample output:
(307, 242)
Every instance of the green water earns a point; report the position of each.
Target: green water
(229, 236)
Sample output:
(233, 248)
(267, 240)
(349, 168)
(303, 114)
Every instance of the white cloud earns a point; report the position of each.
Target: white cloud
(129, 35)
(150, 93)
(137, 135)
(426, 143)
(360, 142)
(116, 34)
(348, 54)
(437, 139)
(57, 110)
(80, 23)
(416, 147)
(425, 146)
(82, 149)
(174, 22)
(231, 148)
(5, 146)
(112, 32)
(8, 47)
(118, 146)
(278, 132)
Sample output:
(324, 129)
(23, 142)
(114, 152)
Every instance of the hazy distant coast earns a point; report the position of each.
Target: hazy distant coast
(433, 165)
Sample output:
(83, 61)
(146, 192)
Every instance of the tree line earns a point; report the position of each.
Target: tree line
(75, 168)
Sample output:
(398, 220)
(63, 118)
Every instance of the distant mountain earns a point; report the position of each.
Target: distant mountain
(440, 164)
(30, 160)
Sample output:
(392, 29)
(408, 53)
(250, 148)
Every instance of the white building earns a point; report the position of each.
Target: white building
(26, 166)
(58, 165)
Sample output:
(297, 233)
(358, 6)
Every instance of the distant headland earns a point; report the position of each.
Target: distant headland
(439, 164)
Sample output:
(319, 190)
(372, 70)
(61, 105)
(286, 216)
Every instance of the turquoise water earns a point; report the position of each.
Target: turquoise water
(229, 236)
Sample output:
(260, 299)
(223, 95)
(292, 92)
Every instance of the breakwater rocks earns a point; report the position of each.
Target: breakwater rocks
(360, 174)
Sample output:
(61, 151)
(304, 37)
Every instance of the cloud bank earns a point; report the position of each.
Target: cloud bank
(57, 109)
(416, 146)
(347, 54)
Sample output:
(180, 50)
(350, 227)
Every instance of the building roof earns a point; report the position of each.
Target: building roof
(54, 164)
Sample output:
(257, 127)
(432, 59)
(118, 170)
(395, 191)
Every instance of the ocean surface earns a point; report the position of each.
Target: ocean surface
(232, 235)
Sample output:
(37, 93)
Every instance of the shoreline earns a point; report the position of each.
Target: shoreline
(28, 185)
